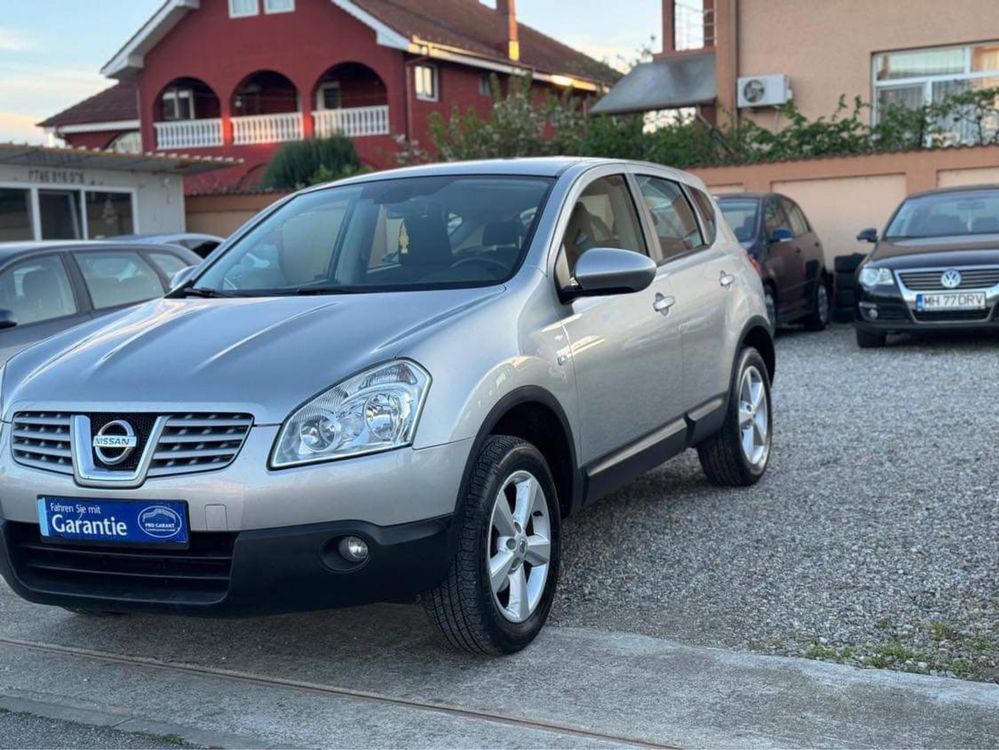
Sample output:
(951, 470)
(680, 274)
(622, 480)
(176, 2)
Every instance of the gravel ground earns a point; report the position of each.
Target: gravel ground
(873, 540)
(25, 731)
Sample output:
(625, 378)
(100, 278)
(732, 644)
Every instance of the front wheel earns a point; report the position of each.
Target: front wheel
(501, 584)
(738, 454)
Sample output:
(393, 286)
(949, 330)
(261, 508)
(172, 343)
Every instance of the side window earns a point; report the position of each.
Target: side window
(604, 216)
(672, 215)
(795, 217)
(707, 211)
(168, 263)
(37, 290)
(774, 217)
(118, 278)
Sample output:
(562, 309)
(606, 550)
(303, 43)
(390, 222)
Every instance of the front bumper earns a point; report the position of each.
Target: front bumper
(896, 313)
(263, 571)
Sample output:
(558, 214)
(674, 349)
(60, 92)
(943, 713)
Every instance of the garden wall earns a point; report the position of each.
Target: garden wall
(843, 195)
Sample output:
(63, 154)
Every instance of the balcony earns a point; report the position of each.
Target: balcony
(275, 128)
(353, 122)
(189, 133)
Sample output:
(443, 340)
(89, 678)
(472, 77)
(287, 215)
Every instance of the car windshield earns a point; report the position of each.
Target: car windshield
(388, 235)
(741, 216)
(947, 214)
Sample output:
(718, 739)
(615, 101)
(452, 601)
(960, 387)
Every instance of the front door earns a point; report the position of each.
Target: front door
(784, 259)
(626, 348)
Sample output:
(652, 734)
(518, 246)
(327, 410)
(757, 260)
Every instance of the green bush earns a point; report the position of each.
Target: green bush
(302, 163)
(520, 125)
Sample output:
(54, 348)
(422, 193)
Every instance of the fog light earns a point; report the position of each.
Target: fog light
(873, 313)
(353, 549)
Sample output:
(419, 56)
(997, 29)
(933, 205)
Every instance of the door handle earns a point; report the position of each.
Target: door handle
(726, 279)
(662, 304)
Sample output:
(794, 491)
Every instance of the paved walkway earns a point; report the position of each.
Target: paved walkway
(372, 677)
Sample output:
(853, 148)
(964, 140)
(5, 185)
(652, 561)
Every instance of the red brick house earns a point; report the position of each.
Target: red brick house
(239, 77)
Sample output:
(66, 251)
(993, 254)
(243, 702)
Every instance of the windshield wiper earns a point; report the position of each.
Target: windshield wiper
(197, 291)
(307, 290)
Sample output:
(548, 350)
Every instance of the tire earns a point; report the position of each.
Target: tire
(869, 340)
(821, 304)
(468, 613)
(723, 457)
(848, 263)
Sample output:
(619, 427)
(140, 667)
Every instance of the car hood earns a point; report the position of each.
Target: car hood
(264, 356)
(980, 249)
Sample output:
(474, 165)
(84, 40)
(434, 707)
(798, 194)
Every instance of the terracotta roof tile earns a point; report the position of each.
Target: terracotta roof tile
(111, 105)
(471, 26)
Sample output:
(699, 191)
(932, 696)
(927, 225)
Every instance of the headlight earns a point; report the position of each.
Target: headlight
(374, 411)
(871, 277)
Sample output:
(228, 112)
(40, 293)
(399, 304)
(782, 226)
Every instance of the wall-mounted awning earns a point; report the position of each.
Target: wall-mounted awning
(682, 81)
(60, 157)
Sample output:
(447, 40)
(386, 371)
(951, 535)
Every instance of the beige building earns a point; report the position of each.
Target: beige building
(740, 58)
(743, 56)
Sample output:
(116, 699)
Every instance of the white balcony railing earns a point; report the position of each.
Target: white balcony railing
(188, 133)
(284, 126)
(354, 122)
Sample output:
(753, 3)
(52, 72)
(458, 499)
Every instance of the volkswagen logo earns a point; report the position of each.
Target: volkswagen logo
(114, 442)
(951, 279)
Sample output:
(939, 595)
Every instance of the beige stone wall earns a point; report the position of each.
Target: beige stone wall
(224, 214)
(844, 195)
(826, 46)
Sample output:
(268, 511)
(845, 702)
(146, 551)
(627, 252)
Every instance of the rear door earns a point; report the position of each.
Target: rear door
(701, 274)
(40, 295)
(807, 241)
(626, 348)
(784, 259)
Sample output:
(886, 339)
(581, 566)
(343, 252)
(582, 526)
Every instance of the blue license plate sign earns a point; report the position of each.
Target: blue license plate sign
(114, 521)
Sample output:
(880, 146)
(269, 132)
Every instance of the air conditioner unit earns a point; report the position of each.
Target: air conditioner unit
(764, 91)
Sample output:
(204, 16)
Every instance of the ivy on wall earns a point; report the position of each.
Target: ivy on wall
(519, 125)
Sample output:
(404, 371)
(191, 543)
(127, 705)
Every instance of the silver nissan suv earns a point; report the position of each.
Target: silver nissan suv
(393, 387)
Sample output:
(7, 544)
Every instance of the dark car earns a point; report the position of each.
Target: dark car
(201, 244)
(935, 268)
(47, 287)
(778, 236)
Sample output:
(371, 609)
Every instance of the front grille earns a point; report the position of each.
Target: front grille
(43, 440)
(198, 442)
(197, 574)
(952, 316)
(971, 278)
(189, 442)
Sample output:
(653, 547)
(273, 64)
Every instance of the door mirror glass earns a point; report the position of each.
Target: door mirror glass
(7, 319)
(868, 235)
(610, 270)
(781, 234)
(182, 276)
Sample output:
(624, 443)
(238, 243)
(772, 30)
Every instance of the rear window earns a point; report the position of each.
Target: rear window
(741, 215)
(947, 214)
(396, 234)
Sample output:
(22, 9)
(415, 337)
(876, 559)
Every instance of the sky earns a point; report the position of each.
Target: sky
(51, 51)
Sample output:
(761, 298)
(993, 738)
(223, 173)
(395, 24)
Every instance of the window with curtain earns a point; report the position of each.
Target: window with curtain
(915, 78)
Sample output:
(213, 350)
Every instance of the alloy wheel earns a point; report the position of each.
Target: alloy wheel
(754, 417)
(519, 549)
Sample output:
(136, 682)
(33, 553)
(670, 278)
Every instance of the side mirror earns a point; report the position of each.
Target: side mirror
(7, 319)
(781, 234)
(182, 277)
(608, 270)
(868, 235)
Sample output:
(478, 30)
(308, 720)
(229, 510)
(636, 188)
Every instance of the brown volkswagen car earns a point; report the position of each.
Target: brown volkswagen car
(936, 267)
